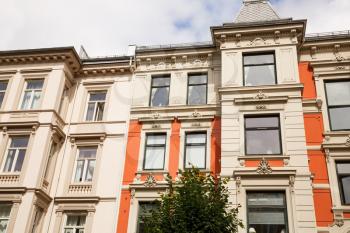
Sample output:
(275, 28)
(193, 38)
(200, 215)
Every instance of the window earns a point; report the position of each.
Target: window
(85, 164)
(15, 154)
(259, 69)
(160, 91)
(5, 211)
(3, 87)
(145, 210)
(195, 150)
(96, 106)
(343, 170)
(267, 212)
(32, 94)
(262, 135)
(75, 224)
(154, 152)
(39, 212)
(49, 165)
(63, 101)
(338, 99)
(197, 89)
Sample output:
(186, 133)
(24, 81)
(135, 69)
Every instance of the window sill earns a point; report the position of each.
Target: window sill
(80, 188)
(9, 178)
(152, 171)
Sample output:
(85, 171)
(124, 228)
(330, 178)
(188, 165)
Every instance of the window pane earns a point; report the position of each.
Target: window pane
(343, 168)
(90, 111)
(87, 152)
(196, 138)
(258, 59)
(20, 159)
(261, 122)
(197, 79)
(90, 170)
(154, 158)
(266, 199)
(9, 160)
(69, 230)
(98, 96)
(261, 216)
(346, 189)
(36, 100)
(197, 94)
(145, 209)
(161, 81)
(340, 118)
(2, 94)
(5, 210)
(99, 111)
(3, 85)
(26, 98)
(19, 142)
(156, 139)
(338, 93)
(79, 171)
(35, 84)
(160, 96)
(263, 142)
(259, 75)
(195, 155)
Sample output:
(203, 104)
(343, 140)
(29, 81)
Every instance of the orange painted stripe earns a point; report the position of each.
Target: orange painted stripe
(346, 215)
(174, 148)
(323, 207)
(272, 162)
(215, 154)
(318, 166)
(313, 123)
(306, 78)
(124, 210)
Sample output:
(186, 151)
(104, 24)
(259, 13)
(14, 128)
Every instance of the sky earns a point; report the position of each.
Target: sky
(107, 27)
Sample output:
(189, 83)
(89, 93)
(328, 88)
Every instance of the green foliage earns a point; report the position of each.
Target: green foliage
(196, 203)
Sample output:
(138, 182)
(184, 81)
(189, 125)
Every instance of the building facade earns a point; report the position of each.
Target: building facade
(88, 143)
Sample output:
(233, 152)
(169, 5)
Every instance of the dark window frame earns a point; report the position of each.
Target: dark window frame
(273, 53)
(333, 106)
(152, 79)
(154, 146)
(268, 206)
(263, 128)
(196, 144)
(339, 177)
(190, 85)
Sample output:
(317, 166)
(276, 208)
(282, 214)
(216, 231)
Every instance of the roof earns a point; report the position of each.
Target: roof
(255, 11)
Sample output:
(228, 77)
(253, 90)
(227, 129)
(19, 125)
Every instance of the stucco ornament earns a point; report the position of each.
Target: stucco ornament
(196, 114)
(150, 181)
(264, 167)
(261, 96)
(338, 222)
(347, 142)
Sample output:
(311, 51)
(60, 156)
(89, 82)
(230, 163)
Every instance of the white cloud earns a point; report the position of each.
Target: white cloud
(106, 27)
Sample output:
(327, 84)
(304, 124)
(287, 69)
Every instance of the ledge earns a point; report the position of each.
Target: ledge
(277, 87)
(253, 172)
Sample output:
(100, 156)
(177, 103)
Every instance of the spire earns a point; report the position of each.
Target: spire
(255, 11)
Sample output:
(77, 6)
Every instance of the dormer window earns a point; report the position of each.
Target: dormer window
(259, 69)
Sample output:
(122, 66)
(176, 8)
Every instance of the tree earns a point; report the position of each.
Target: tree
(197, 203)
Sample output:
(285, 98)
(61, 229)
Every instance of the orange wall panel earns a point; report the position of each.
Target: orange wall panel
(215, 166)
(174, 148)
(306, 78)
(132, 152)
(347, 215)
(313, 128)
(323, 207)
(273, 163)
(318, 166)
(124, 209)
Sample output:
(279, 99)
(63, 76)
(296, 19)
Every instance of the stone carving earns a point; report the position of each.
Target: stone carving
(264, 167)
(338, 222)
(347, 142)
(261, 96)
(196, 114)
(156, 115)
(150, 181)
(238, 184)
(257, 41)
(261, 107)
(291, 183)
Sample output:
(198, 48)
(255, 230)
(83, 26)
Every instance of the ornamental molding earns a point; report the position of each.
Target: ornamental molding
(150, 181)
(347, 142)
(338, 222)
(261, 95)
(264, 167)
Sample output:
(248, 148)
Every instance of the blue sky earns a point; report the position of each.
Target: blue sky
(107, 27)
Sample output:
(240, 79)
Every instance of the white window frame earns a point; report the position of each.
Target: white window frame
(85, 167)
(32, 94)
(9, 216)
(94, 117)
(15, 156)
(4, 91)
(74, 227)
